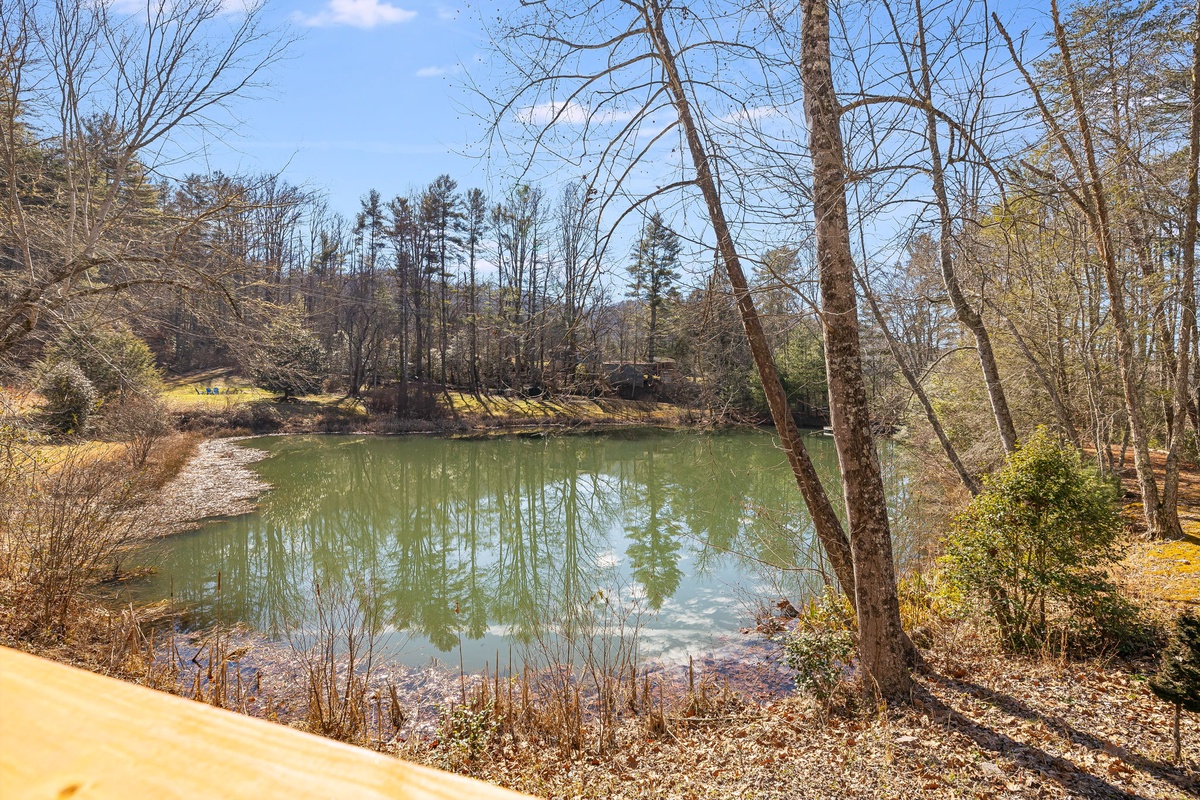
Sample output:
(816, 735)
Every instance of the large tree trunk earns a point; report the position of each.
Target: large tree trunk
(825, 521)
(881, 636)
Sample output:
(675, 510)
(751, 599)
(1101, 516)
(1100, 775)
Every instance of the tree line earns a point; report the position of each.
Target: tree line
(940, 232)
(435, 288)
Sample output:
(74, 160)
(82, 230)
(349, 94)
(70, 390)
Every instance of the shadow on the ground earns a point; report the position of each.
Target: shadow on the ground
(1055, 768)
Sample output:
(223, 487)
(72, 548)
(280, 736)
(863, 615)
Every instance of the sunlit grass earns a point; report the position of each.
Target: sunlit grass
(581, 409)
(190, 394)
(1178, 564)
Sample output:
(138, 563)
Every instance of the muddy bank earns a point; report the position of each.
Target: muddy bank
(216, 482)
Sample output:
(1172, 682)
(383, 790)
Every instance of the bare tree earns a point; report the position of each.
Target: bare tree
(621, 67)
(1086, 186)
(1187, 320)
(110, 91)
(578, 265)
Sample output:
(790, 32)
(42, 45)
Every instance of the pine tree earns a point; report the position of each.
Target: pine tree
(1178, 678)
(654, 272)
(289, 357)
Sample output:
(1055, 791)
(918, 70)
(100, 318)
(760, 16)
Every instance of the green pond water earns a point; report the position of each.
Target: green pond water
(473, 547)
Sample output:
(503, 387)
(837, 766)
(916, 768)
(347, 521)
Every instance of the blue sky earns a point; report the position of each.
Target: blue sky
(370, 97)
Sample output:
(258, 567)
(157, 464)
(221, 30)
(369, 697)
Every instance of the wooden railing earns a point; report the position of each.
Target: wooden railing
(67, 733)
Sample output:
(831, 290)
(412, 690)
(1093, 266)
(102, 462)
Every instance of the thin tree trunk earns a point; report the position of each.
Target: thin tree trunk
(653, 327)
(914, 383)
(1093, 202)
(966, 314)
(881, 636)
(474, 324)
(1178, 737)
(1060, 408)
(1187, 316)
(1102, 231)
(825, 520)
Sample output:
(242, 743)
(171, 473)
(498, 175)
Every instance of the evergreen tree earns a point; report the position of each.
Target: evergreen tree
(1178, 678)
(475, 225)
(289, 358)
(654, 272)
(442, 208)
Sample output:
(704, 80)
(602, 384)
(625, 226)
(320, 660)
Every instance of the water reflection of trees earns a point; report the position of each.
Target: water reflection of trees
(471, 538)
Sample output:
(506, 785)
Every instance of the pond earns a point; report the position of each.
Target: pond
(467, 548)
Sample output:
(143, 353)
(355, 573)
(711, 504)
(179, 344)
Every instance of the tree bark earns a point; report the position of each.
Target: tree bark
(966, 314)
(1187, 316)
(881, 635)
(825, 520)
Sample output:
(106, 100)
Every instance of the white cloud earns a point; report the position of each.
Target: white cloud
(570, 113)
(357, 13)
(446, 14)
(439, 72)
(752, 114)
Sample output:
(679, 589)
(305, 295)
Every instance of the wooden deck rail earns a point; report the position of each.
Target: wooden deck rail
(67, 733)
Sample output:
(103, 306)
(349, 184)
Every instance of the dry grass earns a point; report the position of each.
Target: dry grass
(167, 459)
(67, 517)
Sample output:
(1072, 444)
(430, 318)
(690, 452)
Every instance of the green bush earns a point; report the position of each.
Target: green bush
(1034, 545)
(70, 397)
(115, 360)
(467, 730)
(821, 644)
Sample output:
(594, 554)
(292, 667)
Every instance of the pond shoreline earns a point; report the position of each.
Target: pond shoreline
(216, 481)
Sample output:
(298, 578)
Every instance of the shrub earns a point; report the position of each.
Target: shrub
(70, 397)
(140, 422)
(62, 526)
(289, 358)
(116, 361)
(1036, 542)
(467, 730)
(258, 417)
(337, 657)
(411, 400)
(818, 648)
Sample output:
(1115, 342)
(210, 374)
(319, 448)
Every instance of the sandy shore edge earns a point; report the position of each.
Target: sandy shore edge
(216, 482)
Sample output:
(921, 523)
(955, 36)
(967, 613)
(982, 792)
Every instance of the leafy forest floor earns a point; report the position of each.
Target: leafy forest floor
(979, 726)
